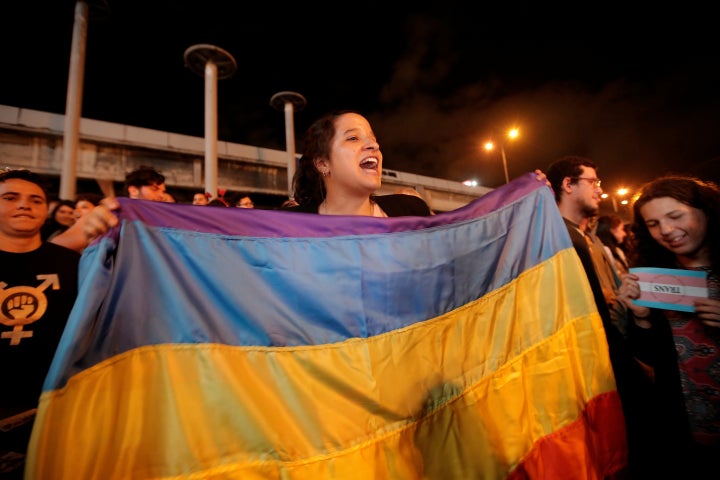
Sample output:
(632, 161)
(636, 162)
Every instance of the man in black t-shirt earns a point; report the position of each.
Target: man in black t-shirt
(38, 287)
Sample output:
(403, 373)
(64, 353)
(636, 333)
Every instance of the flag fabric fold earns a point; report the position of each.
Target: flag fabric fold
(245, 343)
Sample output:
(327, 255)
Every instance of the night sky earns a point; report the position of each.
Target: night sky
(635, 89)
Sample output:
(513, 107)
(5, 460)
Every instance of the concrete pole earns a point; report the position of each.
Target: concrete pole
(211, 131)
(213, 63)
(73, 103)
(289, 102)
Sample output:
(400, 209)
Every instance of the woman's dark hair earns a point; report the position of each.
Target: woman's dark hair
(142, 176)
(691, 191)
(308, 186)
(61, 203)
(51, 225)
(605, 224)
(93, 198)
(218, 202)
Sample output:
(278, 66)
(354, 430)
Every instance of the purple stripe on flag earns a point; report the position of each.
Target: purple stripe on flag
(277, 223)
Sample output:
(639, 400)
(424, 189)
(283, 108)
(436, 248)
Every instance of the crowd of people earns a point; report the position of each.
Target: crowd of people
(666, 362)
(204, 198)
(63, 213)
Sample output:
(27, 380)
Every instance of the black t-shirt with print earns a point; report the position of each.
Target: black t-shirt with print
(37, 293)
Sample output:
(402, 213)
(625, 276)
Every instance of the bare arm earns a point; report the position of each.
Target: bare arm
(96, 222)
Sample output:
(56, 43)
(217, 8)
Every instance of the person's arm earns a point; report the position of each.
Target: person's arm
(96, 222)
(541, 177)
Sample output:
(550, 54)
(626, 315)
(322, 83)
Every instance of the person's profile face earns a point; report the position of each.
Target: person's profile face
(355, 158)
(619, 232)
(155, 192)
(587, 191)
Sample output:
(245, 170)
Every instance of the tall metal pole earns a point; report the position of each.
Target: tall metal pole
(289, 102)
(73, 103)
(211, 131)
(504, 159)
(213, 63)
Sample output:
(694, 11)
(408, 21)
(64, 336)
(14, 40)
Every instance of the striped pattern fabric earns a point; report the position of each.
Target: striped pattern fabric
(237, 343)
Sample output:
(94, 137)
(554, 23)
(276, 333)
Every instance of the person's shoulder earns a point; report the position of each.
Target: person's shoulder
(55, 249)
(46, 255)
(49, 248)
(305, 208)
(401, 204)
(571, 226)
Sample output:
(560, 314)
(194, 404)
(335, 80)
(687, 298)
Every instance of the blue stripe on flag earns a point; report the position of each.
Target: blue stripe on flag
(349, 277)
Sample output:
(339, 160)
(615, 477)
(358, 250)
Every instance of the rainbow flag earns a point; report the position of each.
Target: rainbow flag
(237, 343)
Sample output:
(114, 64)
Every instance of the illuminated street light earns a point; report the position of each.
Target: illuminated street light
(512, 134)
(620, 197)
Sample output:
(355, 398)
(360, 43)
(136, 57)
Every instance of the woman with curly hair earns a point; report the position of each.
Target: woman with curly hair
(677, 224)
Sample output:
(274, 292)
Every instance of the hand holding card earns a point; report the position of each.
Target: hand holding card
(670, 289)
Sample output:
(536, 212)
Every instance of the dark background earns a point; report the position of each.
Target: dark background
(635, 87)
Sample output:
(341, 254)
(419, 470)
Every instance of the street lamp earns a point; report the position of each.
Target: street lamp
(620, 202)
(620, 196)
(213, 63)
(512, 134)
(289, 102)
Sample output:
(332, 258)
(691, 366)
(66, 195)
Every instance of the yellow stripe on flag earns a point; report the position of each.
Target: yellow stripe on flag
(469, 394)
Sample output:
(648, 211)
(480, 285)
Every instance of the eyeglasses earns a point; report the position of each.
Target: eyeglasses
(595, 182)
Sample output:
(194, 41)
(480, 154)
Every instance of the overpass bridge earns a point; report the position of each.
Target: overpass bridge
(33, 139)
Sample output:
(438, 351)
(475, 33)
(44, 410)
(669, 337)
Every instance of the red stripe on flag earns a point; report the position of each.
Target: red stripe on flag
(579, 451)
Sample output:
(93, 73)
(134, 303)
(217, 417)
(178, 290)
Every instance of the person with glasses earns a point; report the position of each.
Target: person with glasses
(39, 284)
(577, 192)
(576, 186)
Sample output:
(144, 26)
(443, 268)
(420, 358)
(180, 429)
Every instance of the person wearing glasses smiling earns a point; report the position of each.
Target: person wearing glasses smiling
(576, 186)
